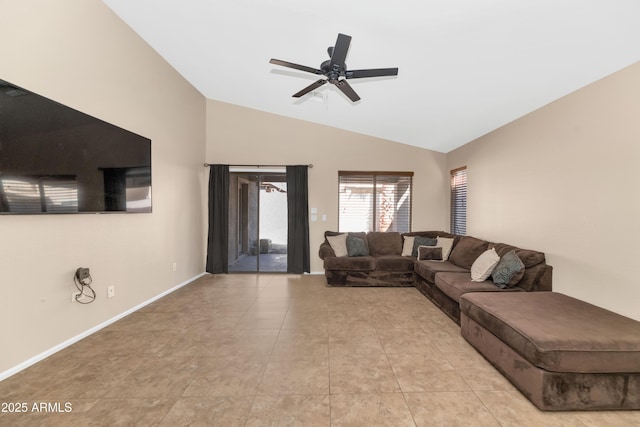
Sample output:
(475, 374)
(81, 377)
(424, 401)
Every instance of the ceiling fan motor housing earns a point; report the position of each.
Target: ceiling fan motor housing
(334, 72)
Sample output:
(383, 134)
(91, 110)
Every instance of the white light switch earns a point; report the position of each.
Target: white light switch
(314, 211)
(314, 217)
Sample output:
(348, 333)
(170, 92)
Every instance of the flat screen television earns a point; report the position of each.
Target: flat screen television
(57, 160)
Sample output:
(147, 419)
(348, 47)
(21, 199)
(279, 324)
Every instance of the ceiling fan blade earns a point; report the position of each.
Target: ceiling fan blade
(313, 86)
(339, 54)
(347, 90)
(374, 72)
(296, 66)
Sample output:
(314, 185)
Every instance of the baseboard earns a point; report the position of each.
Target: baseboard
(12, 371)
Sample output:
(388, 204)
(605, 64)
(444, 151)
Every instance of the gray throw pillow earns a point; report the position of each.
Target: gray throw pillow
(422, 241)
(508, 271)
(356, 246)
(430, 253)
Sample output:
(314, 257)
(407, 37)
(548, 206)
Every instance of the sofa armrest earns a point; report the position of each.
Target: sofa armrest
(326, 251)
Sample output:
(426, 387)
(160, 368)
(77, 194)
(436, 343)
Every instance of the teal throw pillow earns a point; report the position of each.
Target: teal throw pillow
(356, 246)
(422, 241)
(508, 271)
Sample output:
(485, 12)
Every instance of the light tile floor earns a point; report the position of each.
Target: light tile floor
(278, 350)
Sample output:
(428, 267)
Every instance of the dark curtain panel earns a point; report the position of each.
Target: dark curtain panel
(298, 260)
(218, 242)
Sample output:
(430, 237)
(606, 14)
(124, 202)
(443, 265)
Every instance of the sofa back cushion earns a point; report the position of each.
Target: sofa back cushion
(467, 250)
(528, 257)
(384, 243)
(537, 274)
(432, 233)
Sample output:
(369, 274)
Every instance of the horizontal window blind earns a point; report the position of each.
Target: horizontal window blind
(61, 194)
(459, 201)
(374, 201)
(40, 194)
(22, 195)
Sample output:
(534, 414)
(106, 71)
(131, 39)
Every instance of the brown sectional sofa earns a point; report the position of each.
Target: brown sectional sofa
(560, 352)
(443, 282)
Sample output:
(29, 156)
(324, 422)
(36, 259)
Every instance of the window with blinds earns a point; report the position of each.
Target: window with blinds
(459, 201)
(374, 201)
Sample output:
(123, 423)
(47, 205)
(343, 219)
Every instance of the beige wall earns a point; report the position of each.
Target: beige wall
(563, 180)
(238, 135)
(79, 53)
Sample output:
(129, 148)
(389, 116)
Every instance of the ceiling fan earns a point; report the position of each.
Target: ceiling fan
(335, 70)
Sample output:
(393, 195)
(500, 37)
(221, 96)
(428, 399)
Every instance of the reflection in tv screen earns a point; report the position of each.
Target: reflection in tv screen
(55, 160)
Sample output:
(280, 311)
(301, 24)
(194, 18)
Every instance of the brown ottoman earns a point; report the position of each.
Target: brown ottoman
(560, 352)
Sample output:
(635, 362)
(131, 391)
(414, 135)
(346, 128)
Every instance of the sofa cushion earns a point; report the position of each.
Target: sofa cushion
(356, 246)
(528, 257)
(428, 269)
(407, 245)
(361, 263)
(339, 244)
(467, 250)
(412, 243)
(430, 253)
(327, 234)
(432, 234)
(558, 333)
(384, 243)
(446, 243)
(508, 271)
(422, 241)
(454, 285)
(394, 263)
(483, 266)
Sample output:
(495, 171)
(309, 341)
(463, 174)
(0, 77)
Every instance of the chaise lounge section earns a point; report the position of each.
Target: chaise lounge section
(560, 352)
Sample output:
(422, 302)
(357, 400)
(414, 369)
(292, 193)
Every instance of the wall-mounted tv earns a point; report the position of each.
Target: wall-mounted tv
(54, 160)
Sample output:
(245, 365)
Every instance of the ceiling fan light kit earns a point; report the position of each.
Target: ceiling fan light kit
(335, 70)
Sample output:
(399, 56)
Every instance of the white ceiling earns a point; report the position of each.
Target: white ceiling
(466, 67)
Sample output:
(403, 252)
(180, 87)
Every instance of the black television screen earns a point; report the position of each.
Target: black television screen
(54, 159)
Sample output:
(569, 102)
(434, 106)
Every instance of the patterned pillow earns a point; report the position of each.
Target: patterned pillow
(422, 241)
(508, 271)
(430, 253)
(356, 246)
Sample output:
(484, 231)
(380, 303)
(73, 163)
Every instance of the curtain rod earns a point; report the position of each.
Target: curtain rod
(206, 165)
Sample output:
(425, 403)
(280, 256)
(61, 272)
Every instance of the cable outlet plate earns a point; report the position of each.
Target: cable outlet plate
(74, 295)
(111, 291)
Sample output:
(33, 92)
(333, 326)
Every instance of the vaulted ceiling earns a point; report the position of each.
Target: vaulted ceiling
(466, 67)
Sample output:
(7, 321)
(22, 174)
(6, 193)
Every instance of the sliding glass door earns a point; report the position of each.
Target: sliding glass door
(257, 221)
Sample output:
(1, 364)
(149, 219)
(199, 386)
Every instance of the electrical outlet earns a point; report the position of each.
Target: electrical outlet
(74, 295)
(111, 291)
